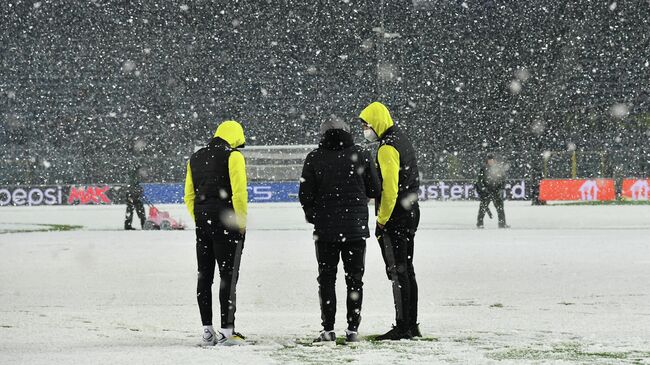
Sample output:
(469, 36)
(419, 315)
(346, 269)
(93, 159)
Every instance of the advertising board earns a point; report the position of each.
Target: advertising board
(465, 190)
(32, 195)
(577, 190)
(636, 189)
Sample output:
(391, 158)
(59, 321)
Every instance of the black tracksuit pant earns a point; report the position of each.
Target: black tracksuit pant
(217, 246)
(397, 249)
(353, 254)
(139, 209)
(497, 200)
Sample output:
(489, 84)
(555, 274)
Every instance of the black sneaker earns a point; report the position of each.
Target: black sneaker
(479, 225)
(415, 330)
(351, 336)
(503, 225)
(395, 334)
(325, 338)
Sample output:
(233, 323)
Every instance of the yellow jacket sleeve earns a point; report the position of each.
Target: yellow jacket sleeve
(238, 184)
(388, 158)
(189, 191)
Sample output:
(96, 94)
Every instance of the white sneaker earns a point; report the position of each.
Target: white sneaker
(235, 339)
(209, 337)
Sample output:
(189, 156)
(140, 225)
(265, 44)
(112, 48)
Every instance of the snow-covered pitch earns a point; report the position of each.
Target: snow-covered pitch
(564, 284)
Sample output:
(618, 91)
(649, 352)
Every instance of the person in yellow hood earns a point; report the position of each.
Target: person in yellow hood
(398, 214)
(216, 197)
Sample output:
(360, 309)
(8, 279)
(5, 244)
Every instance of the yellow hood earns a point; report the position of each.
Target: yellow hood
(378, 117)
(231, 132)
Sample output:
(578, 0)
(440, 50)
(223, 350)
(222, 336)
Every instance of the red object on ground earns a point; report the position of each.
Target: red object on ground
(159, 219)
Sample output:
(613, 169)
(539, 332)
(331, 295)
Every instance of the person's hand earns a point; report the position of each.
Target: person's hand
(379, 230)
(242, 233)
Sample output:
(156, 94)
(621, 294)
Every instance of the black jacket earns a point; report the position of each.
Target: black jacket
(211, 178)
(490, 180)
(406, 207)
(337, 179)
(133, 191)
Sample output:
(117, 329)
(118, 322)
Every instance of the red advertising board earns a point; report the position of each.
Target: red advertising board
(570, 189)
(89, 195)
(636, 189)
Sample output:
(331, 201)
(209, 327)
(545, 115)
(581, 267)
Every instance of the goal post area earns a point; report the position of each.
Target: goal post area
(276, 162)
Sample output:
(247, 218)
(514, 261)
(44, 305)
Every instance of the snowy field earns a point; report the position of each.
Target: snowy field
(567, 284)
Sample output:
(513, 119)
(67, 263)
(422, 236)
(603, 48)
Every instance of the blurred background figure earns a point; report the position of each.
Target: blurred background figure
(489, 185)
(134, 196)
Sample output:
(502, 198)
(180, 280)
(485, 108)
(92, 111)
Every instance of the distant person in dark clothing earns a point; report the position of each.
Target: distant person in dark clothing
(337, 180)
(489, 186)
(535, 181)
(398, 215)
(134, 193)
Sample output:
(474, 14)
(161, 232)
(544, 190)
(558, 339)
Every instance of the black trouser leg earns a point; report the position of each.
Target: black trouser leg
(498, 204)
(139, 209)
(215, 246)
(485, 201)
(228, 250)
(327, 255)
(394, 249)
(413, 285)
(206, 263)
(128, 218)
(354, 257)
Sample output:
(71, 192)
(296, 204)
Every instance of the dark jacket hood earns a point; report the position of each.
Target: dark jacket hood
(336, 140)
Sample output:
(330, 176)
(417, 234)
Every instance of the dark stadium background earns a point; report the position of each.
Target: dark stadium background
(89, 89)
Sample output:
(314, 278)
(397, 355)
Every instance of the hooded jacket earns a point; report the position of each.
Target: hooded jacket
(216, 178)
(398, 168)
(337, 179)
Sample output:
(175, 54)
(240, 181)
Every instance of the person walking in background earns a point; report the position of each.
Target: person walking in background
(216, 197)
(134, 194)
(337, 180)
(398, 215)
(489, 186)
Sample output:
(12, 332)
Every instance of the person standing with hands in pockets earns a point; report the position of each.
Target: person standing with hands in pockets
(336, 182)
(398, 215)
(216, 197)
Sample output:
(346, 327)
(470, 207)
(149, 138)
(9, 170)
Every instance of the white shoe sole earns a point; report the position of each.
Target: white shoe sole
(231, 342)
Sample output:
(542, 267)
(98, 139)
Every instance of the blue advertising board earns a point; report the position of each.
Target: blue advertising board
(257, 192)
(164, 193)
(273, 192)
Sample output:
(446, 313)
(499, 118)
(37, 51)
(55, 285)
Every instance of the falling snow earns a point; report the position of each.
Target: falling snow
(461, 78)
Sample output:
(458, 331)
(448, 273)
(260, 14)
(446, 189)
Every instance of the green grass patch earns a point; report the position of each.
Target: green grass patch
(340, 340)
(63, 227)
(466, 339)
(564, 351)
(40, 227)
(373, 338)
